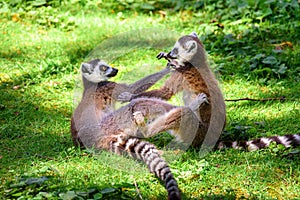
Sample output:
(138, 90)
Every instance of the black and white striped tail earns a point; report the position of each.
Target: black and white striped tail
(291, 140)
(148, 153)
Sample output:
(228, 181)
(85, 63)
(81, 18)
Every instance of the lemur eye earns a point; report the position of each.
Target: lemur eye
(103, 67)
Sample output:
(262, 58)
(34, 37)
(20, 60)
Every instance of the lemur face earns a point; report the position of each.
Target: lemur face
(97, 71)
(184, 50)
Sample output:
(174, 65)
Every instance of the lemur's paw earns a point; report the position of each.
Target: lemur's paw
(122, 137)
(202, 98)
(139, 118)
(198, 101)
(161, 55)
(171, 65)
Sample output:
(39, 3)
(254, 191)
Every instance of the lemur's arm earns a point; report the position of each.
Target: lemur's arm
(146, 82)
(171, 86)
(183, 120)
(125, 92)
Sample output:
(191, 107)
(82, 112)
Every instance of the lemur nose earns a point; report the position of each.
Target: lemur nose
(113, 72)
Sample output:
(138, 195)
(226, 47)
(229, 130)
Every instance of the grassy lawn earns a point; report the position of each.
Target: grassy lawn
(253, 46)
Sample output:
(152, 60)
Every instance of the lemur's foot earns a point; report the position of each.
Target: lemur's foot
(198, 101)
(139, 118)
(122, 137)
(202, 98)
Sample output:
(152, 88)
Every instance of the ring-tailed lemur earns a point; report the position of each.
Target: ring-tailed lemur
(180, 57)
(99, 95)
(193, 76)
(94, 123)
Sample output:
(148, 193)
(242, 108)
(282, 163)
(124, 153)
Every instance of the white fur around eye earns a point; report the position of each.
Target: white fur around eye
(93, 73)
(94, 77)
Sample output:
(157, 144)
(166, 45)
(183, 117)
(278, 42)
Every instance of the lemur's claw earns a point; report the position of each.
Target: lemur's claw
(198, 101)
(202, 98)
(161, 55)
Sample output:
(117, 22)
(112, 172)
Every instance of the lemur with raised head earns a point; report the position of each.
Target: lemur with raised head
(189, 51)
(95, 123)
(193, 76)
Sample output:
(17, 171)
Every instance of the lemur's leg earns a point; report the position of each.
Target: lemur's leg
(183, 121)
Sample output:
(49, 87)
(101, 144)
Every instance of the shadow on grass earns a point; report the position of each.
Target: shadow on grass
(33, 134)
(27, 128)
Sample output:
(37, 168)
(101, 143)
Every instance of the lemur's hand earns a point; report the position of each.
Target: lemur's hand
(171, 65)
(125, 97)
(162, 55)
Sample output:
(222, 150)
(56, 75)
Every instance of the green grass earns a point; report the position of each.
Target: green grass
(40, 54)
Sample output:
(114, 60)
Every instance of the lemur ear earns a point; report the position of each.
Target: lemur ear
(194, 34)
(86, 68)
(191, 45)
